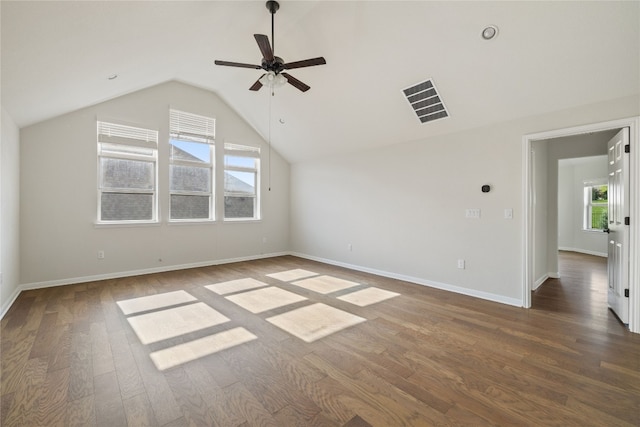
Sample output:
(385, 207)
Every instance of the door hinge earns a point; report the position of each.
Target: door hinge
(627, 220)
(627, 148)
(626, 293)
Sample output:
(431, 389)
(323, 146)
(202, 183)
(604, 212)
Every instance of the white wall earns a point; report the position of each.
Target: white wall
(402, 207)
(9, 211)
(540, 211)
(572, 174)
(566, 206)
(58, 238)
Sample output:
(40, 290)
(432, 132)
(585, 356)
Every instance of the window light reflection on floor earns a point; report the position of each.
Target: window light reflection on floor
(314, 321)
(224, 288)
(174, 314)
(368, 296)
(265, 299)
(325, 284)
(192, 350)
(154, 302)
(161, 322)
(173, 322)
(291, 275)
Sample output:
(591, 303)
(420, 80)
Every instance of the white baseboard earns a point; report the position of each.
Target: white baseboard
(419, 281)
(540, 281)
(584, 251)
(7, 304)
(119, 274)
(416, 280)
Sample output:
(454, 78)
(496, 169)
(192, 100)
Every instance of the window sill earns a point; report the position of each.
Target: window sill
(126, 224)
(191, 222)
(593, 230)
(240, 220)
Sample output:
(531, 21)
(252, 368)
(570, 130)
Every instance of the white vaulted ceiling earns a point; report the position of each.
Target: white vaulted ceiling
(548, 56)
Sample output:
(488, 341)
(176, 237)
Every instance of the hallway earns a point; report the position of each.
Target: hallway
(580, 291)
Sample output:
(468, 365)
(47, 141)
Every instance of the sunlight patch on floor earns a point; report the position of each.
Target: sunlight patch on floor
(154, 302)
(192, 350)
(315, 321)
(368, 296)
(224, 288)
(325, 284)
(265, 299)
(173, 322)
(291, 275)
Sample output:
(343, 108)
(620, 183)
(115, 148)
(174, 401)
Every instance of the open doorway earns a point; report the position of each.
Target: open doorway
(541, 153)
(580, 288)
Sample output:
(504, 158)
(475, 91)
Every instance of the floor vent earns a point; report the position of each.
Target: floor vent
(426, 102)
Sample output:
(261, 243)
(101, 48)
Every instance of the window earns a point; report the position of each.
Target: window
(596, 210)
(241, 182)
(191, 172)
(127, 173)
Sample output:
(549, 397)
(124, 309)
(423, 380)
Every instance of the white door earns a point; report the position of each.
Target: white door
(618, 196)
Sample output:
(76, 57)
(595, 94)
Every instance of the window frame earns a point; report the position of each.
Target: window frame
(192, 128)
(247, 151)
(111, 134)
(589, 204)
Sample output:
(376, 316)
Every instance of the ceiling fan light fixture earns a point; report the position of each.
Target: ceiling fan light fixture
(273, 80)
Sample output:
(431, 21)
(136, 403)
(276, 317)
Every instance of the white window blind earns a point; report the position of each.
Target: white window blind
(192, 127)
(121, 134)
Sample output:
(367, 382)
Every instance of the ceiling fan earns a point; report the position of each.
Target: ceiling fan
(274, 65)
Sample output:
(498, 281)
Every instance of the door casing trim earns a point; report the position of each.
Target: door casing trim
(633, 123)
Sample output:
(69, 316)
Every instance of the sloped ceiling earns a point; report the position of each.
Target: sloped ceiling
(56, 57)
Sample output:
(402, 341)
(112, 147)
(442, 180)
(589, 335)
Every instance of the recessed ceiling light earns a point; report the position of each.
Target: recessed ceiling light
(113, 77)
(490, 32)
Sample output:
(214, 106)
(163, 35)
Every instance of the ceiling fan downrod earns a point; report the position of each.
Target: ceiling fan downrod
(273, 7)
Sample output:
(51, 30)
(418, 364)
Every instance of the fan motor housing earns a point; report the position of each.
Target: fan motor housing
(276, 65)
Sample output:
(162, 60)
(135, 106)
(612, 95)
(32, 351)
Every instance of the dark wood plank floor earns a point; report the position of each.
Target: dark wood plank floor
(426, 357)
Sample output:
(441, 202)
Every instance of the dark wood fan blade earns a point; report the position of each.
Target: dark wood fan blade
(265, 47)
(238, 64)
(295, 82)
(257, 85)
(305, 63)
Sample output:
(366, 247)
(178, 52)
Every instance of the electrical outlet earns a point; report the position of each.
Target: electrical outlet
(100, 254)
(508, 213)
(350, 247)
(461, 264)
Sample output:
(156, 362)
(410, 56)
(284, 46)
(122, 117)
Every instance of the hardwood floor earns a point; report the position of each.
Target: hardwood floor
(71, 355)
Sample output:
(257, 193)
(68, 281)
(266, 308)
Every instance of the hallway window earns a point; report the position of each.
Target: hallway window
(596, 210)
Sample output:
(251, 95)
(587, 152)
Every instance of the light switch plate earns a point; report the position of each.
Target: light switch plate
(472, 213)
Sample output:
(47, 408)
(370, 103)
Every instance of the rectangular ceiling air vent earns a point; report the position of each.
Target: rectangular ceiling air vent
(425, 101)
